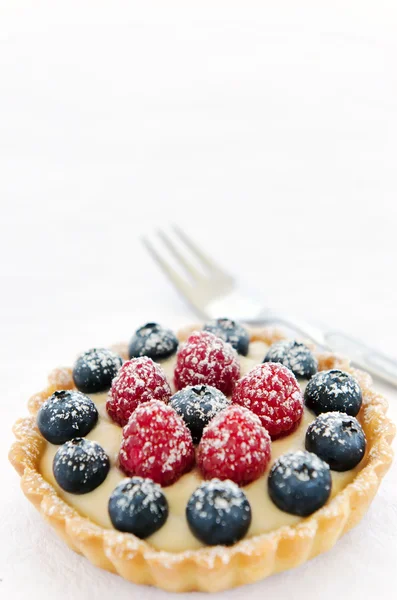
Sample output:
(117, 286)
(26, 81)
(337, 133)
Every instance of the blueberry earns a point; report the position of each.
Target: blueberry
(218, 512)
(333, 390)
(66, 415)
(295, 356)
(197, 405)
(299, 483)
(338, 439)
(94, 370)
(153, 341)
(138, 506)
(231, 332)
(80, 466)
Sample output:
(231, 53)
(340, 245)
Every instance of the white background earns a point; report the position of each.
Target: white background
(268, 131)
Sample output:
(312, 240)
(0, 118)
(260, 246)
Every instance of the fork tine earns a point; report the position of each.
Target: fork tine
(191, 269)
(206, 260)
(178, 281)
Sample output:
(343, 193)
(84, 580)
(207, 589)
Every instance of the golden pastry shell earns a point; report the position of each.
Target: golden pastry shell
(216, 568)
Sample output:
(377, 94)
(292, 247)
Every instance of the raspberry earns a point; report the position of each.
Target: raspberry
(156, 444)
(206, 359)
(139, 380)
(234, 446)
(272, 392)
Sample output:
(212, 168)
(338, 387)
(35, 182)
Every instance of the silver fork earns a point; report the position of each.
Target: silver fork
(212, 293)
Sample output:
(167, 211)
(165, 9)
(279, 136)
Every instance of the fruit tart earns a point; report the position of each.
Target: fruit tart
(203, 460)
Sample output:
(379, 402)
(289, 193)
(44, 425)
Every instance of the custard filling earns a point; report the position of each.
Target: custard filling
(175, 535)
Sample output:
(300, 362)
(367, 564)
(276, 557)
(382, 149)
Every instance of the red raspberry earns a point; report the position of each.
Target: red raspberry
(139, 380)
(156, 444)
(206, 359)
(272, 392)
(234, 446)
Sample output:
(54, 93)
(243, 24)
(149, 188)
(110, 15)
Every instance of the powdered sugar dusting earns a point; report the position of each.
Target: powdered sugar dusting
(216, 401)
(134, 502)
(218, 513)
(329, 424)
(294, 356)
(139, 380)
(81, 455)
(230, 331)
(100, 360)
(374, 423)
(234, 446)
(301, 465)
(197, 405)
(154, 341)
(67, 406)
(272, 392)
(150, 492)
(156, 444)
(221, 495)
(345, 383)
(206, 359)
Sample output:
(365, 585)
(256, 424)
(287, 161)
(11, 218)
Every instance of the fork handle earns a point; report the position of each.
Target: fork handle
(308, 331)
(364, 356)
(361, 355)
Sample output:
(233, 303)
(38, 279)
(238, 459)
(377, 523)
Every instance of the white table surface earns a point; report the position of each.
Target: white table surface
(268, 131)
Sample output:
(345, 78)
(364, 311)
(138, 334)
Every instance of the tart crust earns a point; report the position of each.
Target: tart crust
(216, 568)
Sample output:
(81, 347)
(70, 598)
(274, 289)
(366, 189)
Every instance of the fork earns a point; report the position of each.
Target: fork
(212, 293)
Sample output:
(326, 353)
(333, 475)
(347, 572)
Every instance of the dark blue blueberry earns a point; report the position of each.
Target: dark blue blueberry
(299, 483)
(153, 341)
(80, 466)
(333, 390)
(230, 331)
(66, 415)
(338, 439)
(197, 405)
(295, 356)
(94, 370)
(218, 512)
(138, 506)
